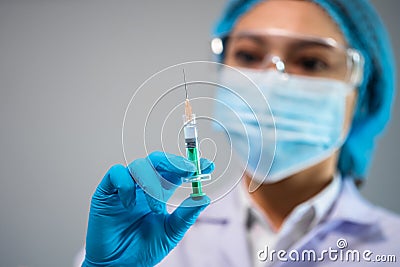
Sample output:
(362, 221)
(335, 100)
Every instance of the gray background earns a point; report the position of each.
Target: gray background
(67, 70)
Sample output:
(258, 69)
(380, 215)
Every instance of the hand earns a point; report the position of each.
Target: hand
(129, 227)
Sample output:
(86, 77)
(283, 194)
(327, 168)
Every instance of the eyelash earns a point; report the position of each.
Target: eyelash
(247, 57)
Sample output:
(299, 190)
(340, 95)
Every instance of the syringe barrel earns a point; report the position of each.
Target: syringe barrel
(192, 152)
(190, 133)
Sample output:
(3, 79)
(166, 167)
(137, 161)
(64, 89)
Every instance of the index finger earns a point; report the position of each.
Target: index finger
(117, 180)
(172, 167)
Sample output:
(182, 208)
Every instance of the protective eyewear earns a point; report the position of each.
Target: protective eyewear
(290, 53)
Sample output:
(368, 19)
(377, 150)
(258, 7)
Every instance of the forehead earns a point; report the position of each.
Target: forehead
(297, 16)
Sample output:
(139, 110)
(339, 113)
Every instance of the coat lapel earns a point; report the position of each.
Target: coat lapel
(350, 211)
(218, 237)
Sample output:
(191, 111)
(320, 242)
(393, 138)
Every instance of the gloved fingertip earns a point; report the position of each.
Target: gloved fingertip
(191, 207)
(182, 166)
(185, 216)
(172, 167)
(155, 157)
(201, 202)
(206, 165)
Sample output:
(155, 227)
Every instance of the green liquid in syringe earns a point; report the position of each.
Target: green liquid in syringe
(193, 156)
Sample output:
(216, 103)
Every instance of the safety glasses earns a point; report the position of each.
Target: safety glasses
(290, 53)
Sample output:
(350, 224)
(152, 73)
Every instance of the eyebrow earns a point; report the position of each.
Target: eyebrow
(299, 44)
(306, 44)
(254, 38)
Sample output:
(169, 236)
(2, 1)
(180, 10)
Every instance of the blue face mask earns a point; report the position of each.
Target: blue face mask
(286, 125)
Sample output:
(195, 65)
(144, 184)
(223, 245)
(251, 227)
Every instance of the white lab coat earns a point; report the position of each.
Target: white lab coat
(218, 238)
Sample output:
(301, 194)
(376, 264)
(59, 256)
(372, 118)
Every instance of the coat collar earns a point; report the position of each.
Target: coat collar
(349, 206)
(232, 241)
(352, 207)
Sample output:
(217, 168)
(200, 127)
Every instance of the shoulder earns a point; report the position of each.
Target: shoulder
(363, 224)
(388, 220)
(356, 207)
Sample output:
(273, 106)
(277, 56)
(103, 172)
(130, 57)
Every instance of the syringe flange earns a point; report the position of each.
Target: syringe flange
(197, 178)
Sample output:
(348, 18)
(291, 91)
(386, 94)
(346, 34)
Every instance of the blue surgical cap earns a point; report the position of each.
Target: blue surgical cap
(364, 31)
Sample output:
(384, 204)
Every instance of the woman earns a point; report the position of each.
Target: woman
(309, 211)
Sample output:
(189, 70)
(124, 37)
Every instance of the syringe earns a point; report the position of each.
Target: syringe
(192, 149)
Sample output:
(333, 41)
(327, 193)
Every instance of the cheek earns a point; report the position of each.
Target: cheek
(351, 101)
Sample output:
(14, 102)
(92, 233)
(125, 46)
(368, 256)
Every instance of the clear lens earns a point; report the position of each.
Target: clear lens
(299, 54)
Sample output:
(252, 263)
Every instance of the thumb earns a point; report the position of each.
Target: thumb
(185, 216)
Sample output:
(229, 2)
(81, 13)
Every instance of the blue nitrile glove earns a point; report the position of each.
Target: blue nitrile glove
(127, 226)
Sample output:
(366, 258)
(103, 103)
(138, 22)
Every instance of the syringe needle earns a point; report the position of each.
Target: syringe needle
(184, 79)
(188, 107)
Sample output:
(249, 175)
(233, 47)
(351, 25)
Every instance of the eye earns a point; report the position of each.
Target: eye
(312, 64)
(247, 58)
